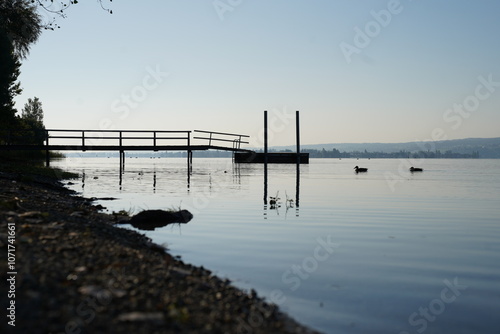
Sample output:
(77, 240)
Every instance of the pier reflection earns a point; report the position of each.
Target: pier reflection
(122, 174)
(167, 177)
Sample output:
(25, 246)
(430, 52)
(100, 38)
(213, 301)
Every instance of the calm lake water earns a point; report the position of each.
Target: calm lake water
(386, 251)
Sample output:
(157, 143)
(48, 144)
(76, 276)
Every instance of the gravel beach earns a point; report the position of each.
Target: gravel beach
(67, 269)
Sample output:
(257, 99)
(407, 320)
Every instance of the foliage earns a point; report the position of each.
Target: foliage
(27, 129)
(30, 133)
(9, 87)
(58, 9)
(122, 213)
(22, 23)
(33, 111)
(19, 28)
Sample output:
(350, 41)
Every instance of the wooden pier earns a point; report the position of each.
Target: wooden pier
(148, 140)
(124, 140)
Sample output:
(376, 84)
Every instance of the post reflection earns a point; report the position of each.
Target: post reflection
(265, 190)
(154, 181)
(122, 173)
(276, 202)
(297, 189)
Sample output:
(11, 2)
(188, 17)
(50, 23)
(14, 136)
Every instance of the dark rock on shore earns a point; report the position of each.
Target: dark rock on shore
(151, 219)
(78, 273)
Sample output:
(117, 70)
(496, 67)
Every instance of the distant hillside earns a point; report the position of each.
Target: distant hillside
(483, 148)
(487, 148)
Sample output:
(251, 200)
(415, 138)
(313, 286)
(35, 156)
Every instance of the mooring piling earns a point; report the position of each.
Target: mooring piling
(274, 157)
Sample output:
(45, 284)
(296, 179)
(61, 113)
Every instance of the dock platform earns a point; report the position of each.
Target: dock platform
(272, 158)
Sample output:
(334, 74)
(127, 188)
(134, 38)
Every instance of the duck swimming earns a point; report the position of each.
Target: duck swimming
(413, 169)
(360, 170)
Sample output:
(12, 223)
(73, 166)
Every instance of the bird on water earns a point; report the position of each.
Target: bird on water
(414, 169)
(360, 170)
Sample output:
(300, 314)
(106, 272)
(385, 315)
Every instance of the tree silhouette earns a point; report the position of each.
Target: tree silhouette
(33, 111)
(21, 23)
(9, 86)
(32, 122)
(19, 29)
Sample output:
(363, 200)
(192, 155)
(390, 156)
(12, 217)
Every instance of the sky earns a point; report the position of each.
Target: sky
(358, 71)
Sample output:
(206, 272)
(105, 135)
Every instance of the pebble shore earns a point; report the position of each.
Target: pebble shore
(75, 272)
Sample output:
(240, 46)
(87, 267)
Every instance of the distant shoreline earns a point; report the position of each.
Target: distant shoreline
(314, 154)
(471, 148)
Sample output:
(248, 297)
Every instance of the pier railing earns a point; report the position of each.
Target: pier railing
(119, 138)
(211, 136)
(65, 139)
(82, 139)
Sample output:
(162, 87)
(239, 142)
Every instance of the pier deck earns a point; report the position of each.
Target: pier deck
(121, 141)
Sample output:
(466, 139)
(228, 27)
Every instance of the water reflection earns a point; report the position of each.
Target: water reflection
(154, 181)
(389, 238)
(122, 173)
(265, 186)
(297, 188)
(275, 202)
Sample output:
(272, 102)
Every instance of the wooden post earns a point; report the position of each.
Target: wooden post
(154, 141)
(265, 137)
(122, 162)
(83, 141)
(189, 153)
(47, 153)
(297, 130)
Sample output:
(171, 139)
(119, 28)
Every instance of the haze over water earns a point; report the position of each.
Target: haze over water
(386, 251)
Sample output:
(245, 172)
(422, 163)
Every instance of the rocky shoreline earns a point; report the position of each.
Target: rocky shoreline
(70, 270)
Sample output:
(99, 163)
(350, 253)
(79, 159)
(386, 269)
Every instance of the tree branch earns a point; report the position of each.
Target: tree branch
(59, 8)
